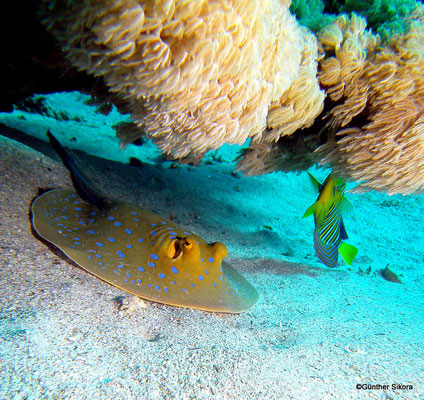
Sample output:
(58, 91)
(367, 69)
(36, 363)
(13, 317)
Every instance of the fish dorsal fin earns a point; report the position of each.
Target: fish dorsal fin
(348, 252)
(345, 205)
(315, 182)
(310, 211)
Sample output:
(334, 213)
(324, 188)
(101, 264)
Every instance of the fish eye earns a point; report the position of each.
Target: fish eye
(187, 244)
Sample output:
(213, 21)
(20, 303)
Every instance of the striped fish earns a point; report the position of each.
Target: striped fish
(330, 232)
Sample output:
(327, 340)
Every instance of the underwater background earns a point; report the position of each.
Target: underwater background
(316, 333)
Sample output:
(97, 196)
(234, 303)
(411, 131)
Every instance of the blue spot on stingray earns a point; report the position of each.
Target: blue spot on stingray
(93, 213)
(201, 259)
(133, 213)
(153, 224)
(192, 285)
(152, 243)
(201, 278)
(138, 280)
(120, 266)
(136, 220)
(82, 223)
(117, 223)
(173, 282)
(149, 285)
(166, 289)
(206, 272)
(128, 274)
(115, 208)
(174, 270)
(163, 222)
(100, 244)
(60, 225)
(129, 246)
(187, 233)
(125, 280)
(226, 292)
(184, 289)
(111, 239)
(211, 260)
(157, 287)
(151, 264)
(128, 231)
(173, 233)
(154, 256)
(220, 277)
(78, 209)
(78, 243)
(102, 268)
(64, 235)
(141, 269)
(75, 238)
(120, 254)
(98, 256)
(214, 284)
(100, 263)
(172, 237)
(132, 281)
(153, 233)
(91, 220)
(90, 257)
(141, 240)
(111, 218)
(64, 217)
(57, 218)
(161, 275)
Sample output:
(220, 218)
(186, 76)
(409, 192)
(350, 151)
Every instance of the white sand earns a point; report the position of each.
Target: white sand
(315, 333)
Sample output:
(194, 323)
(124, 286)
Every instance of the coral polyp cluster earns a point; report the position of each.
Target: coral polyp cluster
(378, 116)
(372, 126)
(197, 74)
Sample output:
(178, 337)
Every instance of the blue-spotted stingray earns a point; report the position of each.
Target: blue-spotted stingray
(138, 250)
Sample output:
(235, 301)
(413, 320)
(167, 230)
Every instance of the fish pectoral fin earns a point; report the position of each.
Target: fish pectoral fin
(315, 182)
(348, 252)
(310, 211)
(343, 233)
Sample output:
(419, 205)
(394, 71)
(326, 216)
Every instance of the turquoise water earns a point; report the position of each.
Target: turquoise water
(315, 333)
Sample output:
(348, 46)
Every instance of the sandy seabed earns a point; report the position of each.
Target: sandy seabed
(314, 334)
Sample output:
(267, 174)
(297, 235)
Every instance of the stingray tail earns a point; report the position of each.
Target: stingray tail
(81, 183)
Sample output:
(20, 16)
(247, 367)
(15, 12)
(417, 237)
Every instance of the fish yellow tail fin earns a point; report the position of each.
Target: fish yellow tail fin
(348, 252)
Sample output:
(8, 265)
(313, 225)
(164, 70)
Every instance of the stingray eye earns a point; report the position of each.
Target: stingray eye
(187, 244)
(174, 249)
